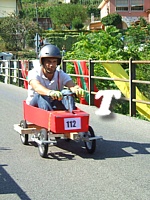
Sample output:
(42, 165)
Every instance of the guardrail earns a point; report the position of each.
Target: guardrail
(132, 81)
(12, 73)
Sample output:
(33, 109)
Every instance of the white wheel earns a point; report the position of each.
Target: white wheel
(24, 137)
(43, 148)
(90, 145)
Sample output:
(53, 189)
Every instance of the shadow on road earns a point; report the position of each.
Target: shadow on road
(9, 186)
(117, 149)
(104, 149)
(68, 150)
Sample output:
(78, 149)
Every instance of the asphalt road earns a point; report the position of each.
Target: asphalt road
(118, 170)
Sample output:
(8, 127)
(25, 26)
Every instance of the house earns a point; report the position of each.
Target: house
(44, 22)
(9, 6)
(130, 10)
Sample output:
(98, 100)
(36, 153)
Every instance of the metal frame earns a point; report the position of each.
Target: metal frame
(132, 78)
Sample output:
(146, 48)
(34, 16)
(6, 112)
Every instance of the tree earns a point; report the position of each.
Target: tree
(135, 36)
(112, 19)
(102, 45)
(74, 1)
(34, 1)
(16, 31)
(77, 23)
(143, 22)
(64, 14)
(93, 9)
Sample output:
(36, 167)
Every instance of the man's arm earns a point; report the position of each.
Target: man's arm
(38, 87)
(70, 84)
(75, 89)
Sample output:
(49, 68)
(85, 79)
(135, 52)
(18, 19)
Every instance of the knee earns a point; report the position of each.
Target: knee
(44, 107)
(44, 103)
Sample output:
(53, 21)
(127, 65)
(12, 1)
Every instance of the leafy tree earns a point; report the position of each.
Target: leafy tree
(15, 31)
(102, 45)
(143, 22)
(137, 42)
(77, 23)
(60, 14)
(64, 14)
(112, 19)
(31, 11)
(34, 1)
(93, 9)
(136, 39)
(74, 1)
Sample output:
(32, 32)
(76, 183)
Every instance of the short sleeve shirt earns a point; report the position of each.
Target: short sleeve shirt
(58, 82)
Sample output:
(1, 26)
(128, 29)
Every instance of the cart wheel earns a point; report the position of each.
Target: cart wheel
(24, 137)
(43, 148)
(90, 145)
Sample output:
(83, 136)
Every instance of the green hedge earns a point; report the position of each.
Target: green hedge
(60, 38)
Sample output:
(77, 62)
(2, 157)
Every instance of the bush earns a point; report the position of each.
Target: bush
(25, 55)
(112, 19)
(77, 23)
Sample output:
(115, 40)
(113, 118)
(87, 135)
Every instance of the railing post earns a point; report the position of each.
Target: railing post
(63, 66)
(91, 83)
(19, 74)
(15, 72)
(132, 76)
(10, 72)
(6, 72)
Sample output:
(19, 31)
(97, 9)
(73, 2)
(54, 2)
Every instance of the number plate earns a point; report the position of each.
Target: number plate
(72, 123)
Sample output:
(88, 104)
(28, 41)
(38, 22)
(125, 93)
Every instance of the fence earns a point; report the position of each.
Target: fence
(12, 72)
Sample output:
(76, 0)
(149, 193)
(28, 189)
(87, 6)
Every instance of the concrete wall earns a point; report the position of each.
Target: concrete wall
(7, 7)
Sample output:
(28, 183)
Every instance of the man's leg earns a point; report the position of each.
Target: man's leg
(43, 102)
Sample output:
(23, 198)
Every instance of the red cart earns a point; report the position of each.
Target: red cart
(47, 126)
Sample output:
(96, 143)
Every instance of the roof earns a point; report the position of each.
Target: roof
(102, 3)
(148, 10)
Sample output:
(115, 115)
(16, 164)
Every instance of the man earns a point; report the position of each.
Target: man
(47, 82)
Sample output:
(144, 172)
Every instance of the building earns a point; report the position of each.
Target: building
(9, 6)
(130, 10)
(44, 22)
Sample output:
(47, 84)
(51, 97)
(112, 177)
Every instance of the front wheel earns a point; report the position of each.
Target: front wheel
(90, 145)
(24, 137)
(43, 148)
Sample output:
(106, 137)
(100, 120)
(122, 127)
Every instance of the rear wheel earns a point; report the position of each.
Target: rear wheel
(43, 148)
(90, 145)
(24, 137)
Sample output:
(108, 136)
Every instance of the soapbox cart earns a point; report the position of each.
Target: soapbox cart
(46, 127)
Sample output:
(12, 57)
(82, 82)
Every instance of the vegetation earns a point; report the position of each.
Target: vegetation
(77, 23)
(109, 45)
(65, 15)
(112, 19)
(17, 32)
(30, 7)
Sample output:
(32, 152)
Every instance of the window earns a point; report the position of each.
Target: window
(136, 5)
(122, 5)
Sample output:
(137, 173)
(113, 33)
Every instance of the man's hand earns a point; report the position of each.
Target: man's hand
(55, 95)
(78, 91)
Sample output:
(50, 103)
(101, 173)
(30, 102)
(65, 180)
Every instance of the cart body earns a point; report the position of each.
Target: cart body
(57, 121)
